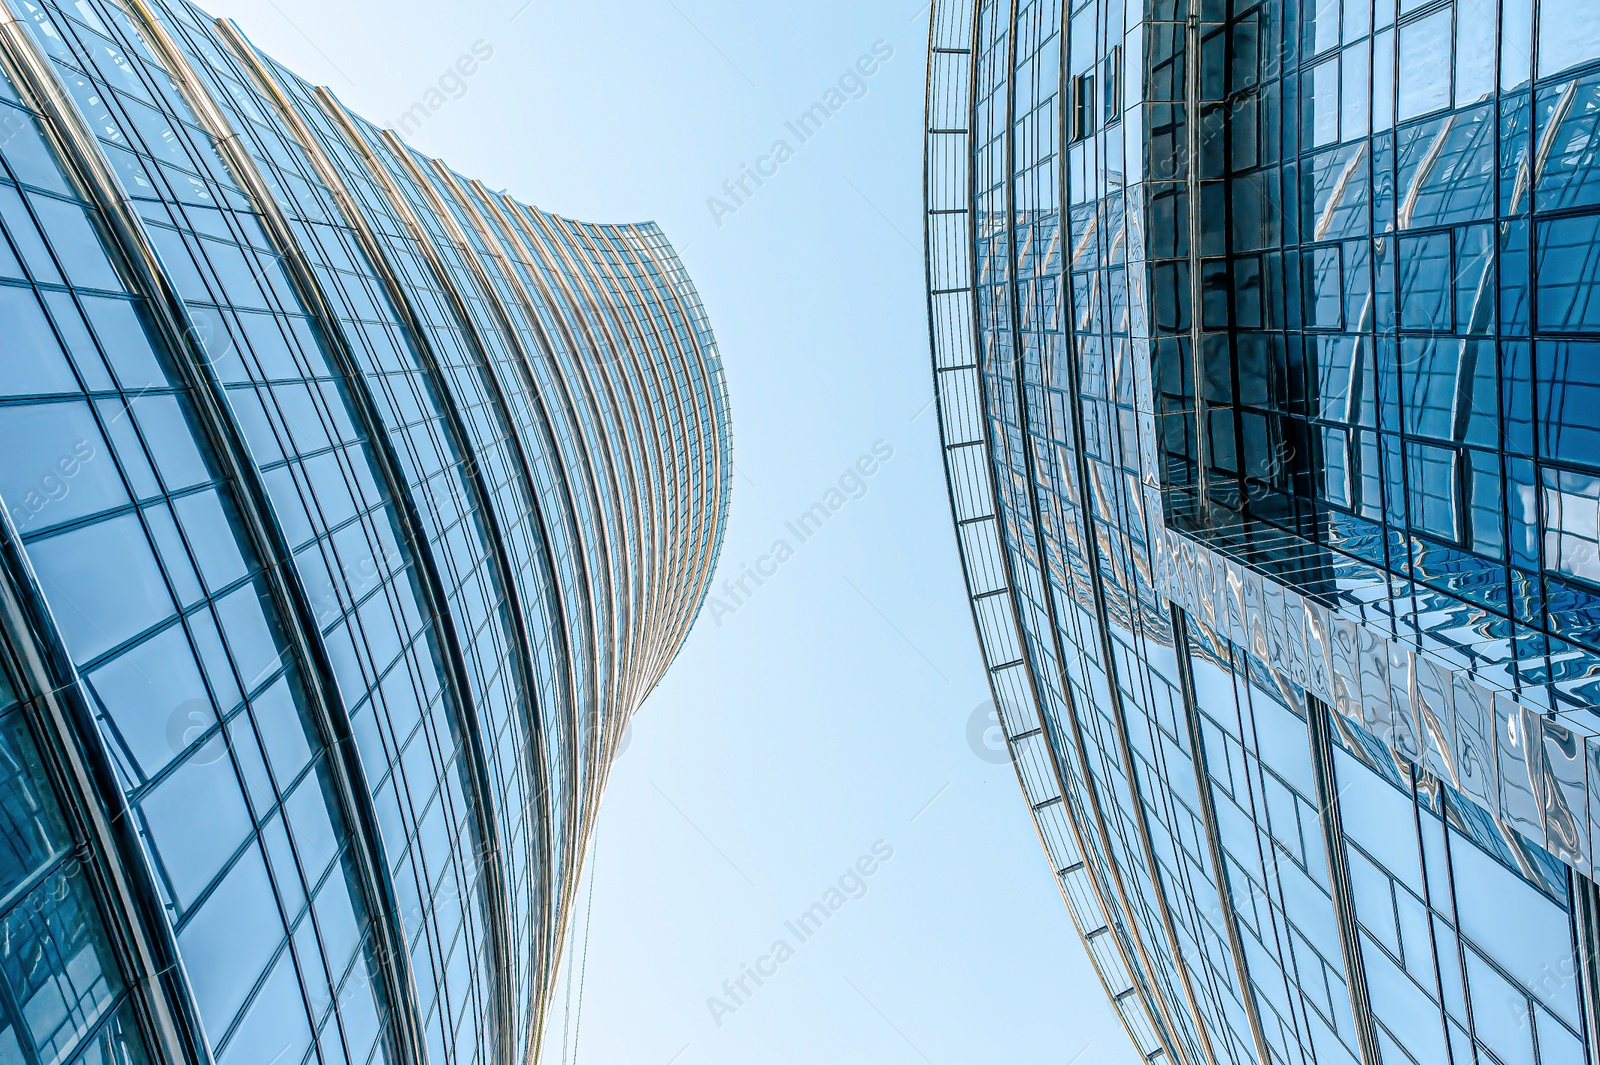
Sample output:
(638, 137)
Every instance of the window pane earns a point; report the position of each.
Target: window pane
(1569, 116)
(31, 832)
(24, 149)
(275, 1029)
(118, 327)
(1516, 925)
(1324, 292)
(1356, 91)
(1425, 288)
(77, 245)
(1516, 42)
(1569, 34)
(1570, 539)
(156, 704)
(1567, 276)
(228, 943)
(57, 467)
(283, 730)
(117, 1043)
(167, 429)
(1500, 1014)
(1325, 102)
(196, 819)
(252, 639)
(25, 235)
(1474, 51)
(211, 530)
(103, 584)
(34, 362)
(1569, 391)
(1425, 65)
(57, 965)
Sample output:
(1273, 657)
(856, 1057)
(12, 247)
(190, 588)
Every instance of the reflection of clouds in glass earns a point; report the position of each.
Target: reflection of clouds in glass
(1425, 65)
(1569, 34)
(1572, 523)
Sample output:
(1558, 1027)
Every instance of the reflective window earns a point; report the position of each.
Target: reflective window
(1569, 35)
(538, 391)
(1425, 65)
(1393, 290)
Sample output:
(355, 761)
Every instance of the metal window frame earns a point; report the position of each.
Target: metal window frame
(80, 150)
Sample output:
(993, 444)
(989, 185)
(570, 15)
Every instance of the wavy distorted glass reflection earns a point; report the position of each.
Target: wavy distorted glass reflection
(1260, 337)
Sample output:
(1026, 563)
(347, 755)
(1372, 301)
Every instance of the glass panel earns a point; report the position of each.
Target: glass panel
(1500, 1014)
(122, 335)
(165, 423)
(196, 819)
(275, 1029)
(282, 729)
(227, 945)
(1516, 43)
(1356, 91)
(1324, 276)
(24, 234)
(1425, 288)
(1569, 34)
(76, 339)
(76, 243)
(1568, 273)
(116, 1043)
(57, 468)
(57, 965)
(34, 363)
(1425, 65)
(1519, 927)
(155, 705)
(1569, 388)
(1475, 58)
(31, 831)
(1325, 102)
(1569, 116)
(211, 532)
(23, 147)
(103, 584)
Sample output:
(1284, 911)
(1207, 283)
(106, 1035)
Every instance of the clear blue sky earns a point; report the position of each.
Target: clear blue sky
(828, 710)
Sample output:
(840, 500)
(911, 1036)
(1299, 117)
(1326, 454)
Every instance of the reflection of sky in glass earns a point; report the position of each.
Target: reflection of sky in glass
(282, 520)
(1385, 397)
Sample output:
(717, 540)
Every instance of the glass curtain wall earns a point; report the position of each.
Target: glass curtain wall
(355, 508)
(1258, 331)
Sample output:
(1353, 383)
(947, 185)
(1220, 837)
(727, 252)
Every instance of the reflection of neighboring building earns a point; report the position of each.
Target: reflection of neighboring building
(1270, 389)
(351, 509)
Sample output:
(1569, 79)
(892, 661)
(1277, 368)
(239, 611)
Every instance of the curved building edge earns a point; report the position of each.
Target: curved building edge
(1175, 689)
(407, 493)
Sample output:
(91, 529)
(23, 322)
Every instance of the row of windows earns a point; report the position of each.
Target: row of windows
(62, 997)
(1414, 238)
(137, 533)
(1097, 776)
(149, 579)
(1444, 400)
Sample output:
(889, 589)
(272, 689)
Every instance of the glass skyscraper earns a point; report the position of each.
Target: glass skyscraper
(350, 508)
(1267, 345)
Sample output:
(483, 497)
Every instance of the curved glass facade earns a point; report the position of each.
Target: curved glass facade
(1263, 358)
(350, 510)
